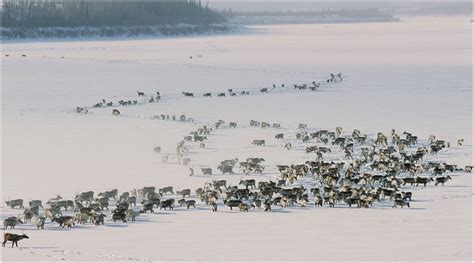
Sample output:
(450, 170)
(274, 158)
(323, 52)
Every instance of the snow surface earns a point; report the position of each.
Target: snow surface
(414, 75)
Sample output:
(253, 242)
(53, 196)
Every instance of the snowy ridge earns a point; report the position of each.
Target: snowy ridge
(12, 33)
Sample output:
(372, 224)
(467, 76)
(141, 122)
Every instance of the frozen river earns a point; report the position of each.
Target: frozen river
(412, 75)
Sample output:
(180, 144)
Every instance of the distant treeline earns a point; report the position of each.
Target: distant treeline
(307, 16)
(81, 13)
(328, 12)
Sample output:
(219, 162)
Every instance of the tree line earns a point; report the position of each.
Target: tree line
(82, 13)
(326, 12)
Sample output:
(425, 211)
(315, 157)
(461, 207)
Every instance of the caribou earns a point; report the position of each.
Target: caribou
(14, 238)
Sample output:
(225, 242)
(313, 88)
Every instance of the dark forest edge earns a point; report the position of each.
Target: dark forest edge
(72, 18)
(82, 13)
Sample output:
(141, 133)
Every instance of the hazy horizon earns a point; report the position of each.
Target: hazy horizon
(400, 8)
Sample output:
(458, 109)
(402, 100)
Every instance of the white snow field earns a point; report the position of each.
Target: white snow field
(413, 75)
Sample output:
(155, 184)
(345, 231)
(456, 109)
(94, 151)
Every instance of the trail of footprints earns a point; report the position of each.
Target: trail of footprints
(73, 255)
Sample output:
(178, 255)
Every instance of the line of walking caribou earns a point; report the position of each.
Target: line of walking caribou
(314, 86)
(372, 171)
(123, 102)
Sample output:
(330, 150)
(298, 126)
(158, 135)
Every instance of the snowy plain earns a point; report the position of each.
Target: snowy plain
(412, 75)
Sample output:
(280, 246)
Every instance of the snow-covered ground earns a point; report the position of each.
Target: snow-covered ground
(414, 75)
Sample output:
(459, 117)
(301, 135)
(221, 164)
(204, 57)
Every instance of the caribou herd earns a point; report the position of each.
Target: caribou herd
(340, 169)
(371, 171)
